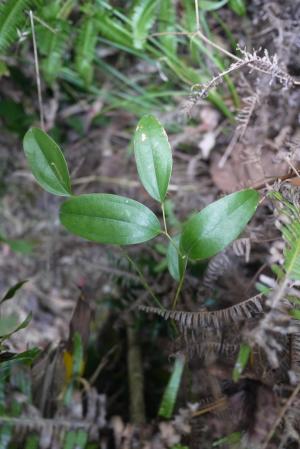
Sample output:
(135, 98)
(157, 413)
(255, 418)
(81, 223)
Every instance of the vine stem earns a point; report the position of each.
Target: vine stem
(179, 287)
(143, 279)
(164, 218)
(166, 232)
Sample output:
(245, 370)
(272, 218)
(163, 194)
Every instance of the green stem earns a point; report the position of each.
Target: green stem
(143, 279)
(166, 232)
(164, 218)
(179, 287)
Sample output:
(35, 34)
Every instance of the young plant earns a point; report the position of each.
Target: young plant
(114, 219)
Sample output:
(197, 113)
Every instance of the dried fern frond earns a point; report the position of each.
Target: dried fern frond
(206, 350)
(217, 266)
(243, 118)
(277, 322)
(242, 247)
(295, 353)
(266, 64)
(239, 312)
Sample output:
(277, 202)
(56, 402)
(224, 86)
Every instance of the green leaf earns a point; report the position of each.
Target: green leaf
(81, 439)
(170, 394)
(167, 23)
(211, 230)
(6, 434)
(209, 5)
(295, 313)
(12, 291)
(25, 358)
(241, 361)
(113, 30)
(85, 49)
(153, 157)
(32, 442)
(175, 261)
(179, 446)
(70, 439)
(106, 218)
(53, 46)
(238, 6)
(143, 17)
(233, 438)
(10, 324)
(17, 245)
(47, 162)
(12, 18)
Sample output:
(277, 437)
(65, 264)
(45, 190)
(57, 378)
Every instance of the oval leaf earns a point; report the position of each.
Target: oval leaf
(47, 162)
(153, 157)
(211, 230)
(174, 260)
(106, 218)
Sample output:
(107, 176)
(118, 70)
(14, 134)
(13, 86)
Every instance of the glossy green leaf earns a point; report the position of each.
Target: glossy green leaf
(241, 361)
(106, 218)
(209, 5)
(170, 394)
(174, 260)
(238, 6)
(153, 157)
(47, 162)
(211, 230)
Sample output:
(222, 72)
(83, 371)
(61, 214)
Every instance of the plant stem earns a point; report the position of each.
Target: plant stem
(135, 375)
(197, 15)
(179, 287)
(166, 233)
(37, 71)
(164, 218)
(143, 279)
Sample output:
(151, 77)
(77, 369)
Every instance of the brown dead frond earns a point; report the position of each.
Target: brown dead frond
(266, 64)
(239, 312)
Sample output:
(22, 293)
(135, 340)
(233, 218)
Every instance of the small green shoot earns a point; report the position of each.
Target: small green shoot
(170, 395)
(241, 361)
(114, 219)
